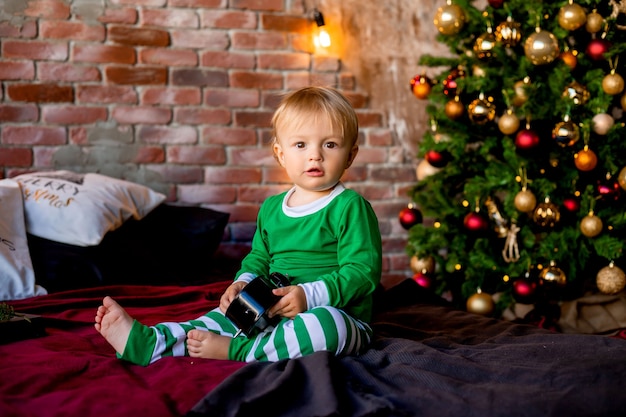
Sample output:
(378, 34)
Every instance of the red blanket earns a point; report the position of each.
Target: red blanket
(72, 370)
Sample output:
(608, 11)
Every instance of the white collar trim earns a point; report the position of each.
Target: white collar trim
(312, 207)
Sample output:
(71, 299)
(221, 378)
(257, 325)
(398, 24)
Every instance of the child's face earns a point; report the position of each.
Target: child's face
(313, 154)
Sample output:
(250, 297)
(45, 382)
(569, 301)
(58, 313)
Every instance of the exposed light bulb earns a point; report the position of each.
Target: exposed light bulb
(321, 38)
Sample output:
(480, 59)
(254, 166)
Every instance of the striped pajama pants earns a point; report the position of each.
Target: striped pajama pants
(319, 329)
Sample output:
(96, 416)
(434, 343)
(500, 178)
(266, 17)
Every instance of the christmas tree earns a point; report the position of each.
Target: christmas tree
(520, 185)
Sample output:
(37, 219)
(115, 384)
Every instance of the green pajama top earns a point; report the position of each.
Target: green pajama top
(338, 244)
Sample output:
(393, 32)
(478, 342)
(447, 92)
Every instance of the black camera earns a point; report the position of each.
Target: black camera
(248, 311)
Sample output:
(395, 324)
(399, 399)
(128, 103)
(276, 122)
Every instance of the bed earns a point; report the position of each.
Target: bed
(428, 358)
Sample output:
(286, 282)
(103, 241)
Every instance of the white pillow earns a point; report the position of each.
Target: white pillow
(17, 277)
(79, 209)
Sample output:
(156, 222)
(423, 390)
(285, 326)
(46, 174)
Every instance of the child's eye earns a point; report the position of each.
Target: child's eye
(331, 145)
(299, 145)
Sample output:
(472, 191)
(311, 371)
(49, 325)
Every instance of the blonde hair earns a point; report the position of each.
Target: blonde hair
(317, 101)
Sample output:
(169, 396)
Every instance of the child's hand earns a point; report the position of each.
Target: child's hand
(229, 295)
(293, 301)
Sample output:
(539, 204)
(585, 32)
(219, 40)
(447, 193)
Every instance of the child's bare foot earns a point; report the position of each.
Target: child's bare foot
(207, 345)
(113, 323)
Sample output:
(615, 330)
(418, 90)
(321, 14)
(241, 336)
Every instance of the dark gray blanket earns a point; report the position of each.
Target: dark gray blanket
(432, 360)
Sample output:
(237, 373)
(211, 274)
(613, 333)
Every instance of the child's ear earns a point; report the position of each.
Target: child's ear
(278, 152)
(352, 155)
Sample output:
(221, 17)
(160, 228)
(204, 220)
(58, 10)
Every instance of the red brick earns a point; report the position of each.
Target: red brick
(207, 194)
(149, 155)
(200, 77)
(264, 81)
(259, 41)
(48, 9)
(196, 155)
(232, 175)
(371, 156)
(238, 212)
(251, 156)
(73, 114)
(358, 100)
(43, 93)
(136, 75)
(370, 119)
(141, 115)
(202, 39)
(231, 136)
(55, 71)
(228, 19)
(35, 50)
(285, 23)
(171, 95)
(230, 60)
(105, 54)
(126, 35)
(269, 5)
(253, 118)
(168, 57)
(76, 31)
(33, 135)
(180, 18)
(327, 79)
(201, 115)
(231, 98)
(106, 94)
(380, 137)
(326, 64)
(172, 135)
(209, 4)
(139, 3)
(123, 15)
(295, 80)
(18, 113)
(258, 194)
(275, 174)
(347, 81)
(283, 61)
(26, 29)
(16, 157)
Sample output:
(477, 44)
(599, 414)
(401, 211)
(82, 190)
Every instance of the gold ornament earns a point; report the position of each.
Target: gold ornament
(425, 169)
(553, 276)
(546, 214)
(454, 108)
(577, 92)
(566, 133)
(618, 8)
(542, 47)
(481, 110)
(585, 160)
(520, 96)
(591, 225)
(450, 19)
(480, 303)
(424, 265)
(613, 83)
(595, 21)
(611, 279)
(508, 123)
(525, 201)
(509, 32)
(621, 178)
(572, 16)
(483, 47)
(602, 123)
(569, 58)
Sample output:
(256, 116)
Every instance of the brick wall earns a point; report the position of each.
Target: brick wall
(178, 95)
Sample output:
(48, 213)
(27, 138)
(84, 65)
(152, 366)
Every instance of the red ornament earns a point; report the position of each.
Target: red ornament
(609, 189)
(409, 217)
(423, 280)
(526, 139)
(475, 222)
(437, 159)
(571, 204)
(496, 4)
(597, 48)
(524, 289)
